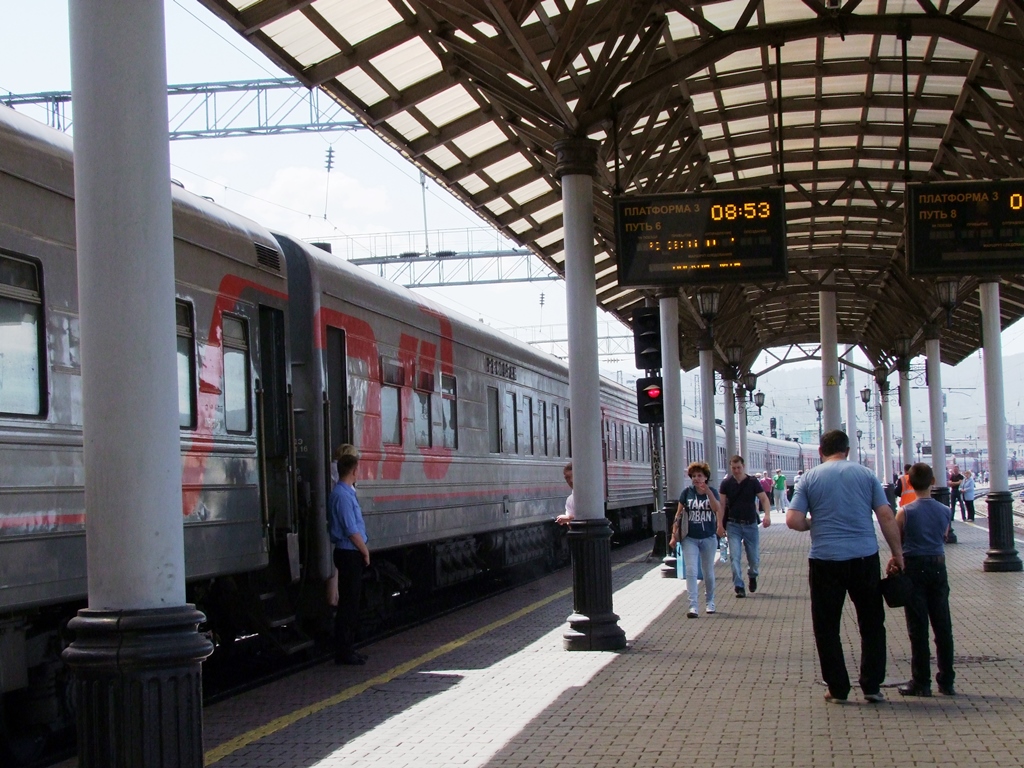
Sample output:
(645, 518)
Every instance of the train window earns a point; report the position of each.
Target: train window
(493, 423)
(421, 418)
(186, 365)
(21, 343)
(422, 411)
(236, 374)
(510, 425)
(449, 412)
(528, 416)
(558, 429)
(568, 430)
(390, 415)
(392, 375)
(543, 425)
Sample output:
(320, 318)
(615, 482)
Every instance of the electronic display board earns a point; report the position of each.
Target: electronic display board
(736, 235)
(965, 227)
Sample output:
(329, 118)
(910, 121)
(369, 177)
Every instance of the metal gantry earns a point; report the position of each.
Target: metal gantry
(219, 110)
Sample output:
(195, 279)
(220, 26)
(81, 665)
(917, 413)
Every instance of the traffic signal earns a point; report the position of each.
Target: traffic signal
(650, 405)
(647, 338)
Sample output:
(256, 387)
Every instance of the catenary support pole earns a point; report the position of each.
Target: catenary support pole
(136, 657)
(1002, 554)
(593, 626)
(741, 419)
(877, 426)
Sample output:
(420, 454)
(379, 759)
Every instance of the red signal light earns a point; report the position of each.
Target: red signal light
(653, 392)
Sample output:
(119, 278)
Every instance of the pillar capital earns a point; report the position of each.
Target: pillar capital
(932, 332)
(705, 342)
(575, 156)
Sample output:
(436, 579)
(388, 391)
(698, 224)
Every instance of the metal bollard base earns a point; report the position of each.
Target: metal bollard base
(138, 687)
(593, 626)
(1001, 556)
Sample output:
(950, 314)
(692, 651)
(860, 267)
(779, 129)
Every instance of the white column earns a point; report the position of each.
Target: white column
(741, 412)
(851, 407)
(134, 527)
(938, 429)
(877, 426)
(729, 419)
(832, 413)
(707, 409)
(886, 437)
(995, 410)
(675, 456)
(584, 373)
(906, 416)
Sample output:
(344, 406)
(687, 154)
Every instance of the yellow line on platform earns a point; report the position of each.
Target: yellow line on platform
(233, 745)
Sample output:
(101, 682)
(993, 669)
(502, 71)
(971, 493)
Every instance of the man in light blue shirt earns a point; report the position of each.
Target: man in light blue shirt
(835, 501)
(351, 555)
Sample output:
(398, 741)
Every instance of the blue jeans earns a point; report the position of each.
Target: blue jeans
(705, 549)
(748, 536)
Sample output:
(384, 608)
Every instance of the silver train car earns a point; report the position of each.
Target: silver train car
(283, 353)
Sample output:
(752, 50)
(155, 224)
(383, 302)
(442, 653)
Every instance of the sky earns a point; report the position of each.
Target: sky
(282, 182)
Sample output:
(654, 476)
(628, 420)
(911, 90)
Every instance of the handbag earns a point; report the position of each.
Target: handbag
(896, 589)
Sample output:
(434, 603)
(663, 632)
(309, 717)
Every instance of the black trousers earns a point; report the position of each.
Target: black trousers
(349, 563)
(954, 497)
(929, 602)
(831, 581)
(970, 508)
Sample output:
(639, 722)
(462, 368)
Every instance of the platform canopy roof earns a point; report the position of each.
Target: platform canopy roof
(683, 95)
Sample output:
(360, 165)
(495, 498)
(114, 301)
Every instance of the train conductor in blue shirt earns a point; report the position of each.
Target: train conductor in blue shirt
(351, 556)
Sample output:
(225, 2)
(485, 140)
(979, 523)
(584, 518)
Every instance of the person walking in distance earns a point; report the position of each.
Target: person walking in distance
(967, 492)
(698, 520)
(922, 526)
(955, 481)
(351, 555)
(835, 501)
(780, 491)
(740, 495)
(570, 504)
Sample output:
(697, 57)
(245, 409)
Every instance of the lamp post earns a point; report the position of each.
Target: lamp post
(860, 459)
(899, 461)
(948, 290)
(759, 401)
(708, 299)
(819, 406)
(919, 451)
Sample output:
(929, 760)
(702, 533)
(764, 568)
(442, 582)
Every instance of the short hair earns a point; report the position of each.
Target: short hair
(567, 467)
(345, 449)
(698, 466)
(738, 458)
(834, 441)
(346, 463)
(921, 477)
(906, 467)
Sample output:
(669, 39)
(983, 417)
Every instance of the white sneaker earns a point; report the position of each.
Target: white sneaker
(710, 609)
(692, 613)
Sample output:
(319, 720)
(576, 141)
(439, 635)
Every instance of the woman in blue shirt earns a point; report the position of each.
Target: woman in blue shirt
(702, 512)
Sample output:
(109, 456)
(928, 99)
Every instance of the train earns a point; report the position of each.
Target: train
(283, 353)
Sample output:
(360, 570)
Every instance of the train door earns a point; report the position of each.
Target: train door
(275, 426)
(337, 412)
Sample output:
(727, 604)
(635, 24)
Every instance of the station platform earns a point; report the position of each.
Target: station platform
(490, 685)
